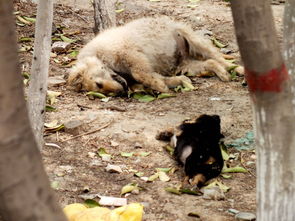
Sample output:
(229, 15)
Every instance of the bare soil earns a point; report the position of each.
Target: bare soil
(131, 126)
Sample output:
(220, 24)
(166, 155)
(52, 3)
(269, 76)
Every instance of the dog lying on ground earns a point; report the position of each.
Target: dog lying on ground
(150, 51)
(197, 148)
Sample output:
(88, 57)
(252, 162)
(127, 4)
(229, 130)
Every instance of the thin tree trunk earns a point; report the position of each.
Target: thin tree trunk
(273, 103)
(25, 193)
(104, 15)
(40, 65)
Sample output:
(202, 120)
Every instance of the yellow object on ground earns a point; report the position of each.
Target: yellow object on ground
(79, 212)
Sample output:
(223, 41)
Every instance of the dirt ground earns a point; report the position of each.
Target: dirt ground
(75, 168)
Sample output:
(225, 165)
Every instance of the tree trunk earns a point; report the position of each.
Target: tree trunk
(273, 101)
(40, 65)
(104, 15)
(25, 193)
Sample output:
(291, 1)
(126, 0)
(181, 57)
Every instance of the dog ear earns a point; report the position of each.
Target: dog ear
(182, 46)
(75, 81)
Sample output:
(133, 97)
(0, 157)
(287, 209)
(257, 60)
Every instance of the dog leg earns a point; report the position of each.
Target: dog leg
(199, 47)
(203, 68)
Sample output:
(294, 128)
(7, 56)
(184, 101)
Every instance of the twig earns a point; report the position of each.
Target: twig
(246, 167)
(84, 19)
(89, 132)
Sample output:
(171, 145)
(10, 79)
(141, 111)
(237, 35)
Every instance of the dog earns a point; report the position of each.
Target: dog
(197, 148)
(155, 52)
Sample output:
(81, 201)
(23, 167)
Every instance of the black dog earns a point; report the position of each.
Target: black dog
(197, 149)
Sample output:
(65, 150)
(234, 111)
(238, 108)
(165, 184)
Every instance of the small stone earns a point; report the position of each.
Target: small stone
(56, 81)
(74, 127)
(113, 169)
(60, 46)
(91, 154)
(114, 144)
(214, 193)
(233, 211)
(245, 216)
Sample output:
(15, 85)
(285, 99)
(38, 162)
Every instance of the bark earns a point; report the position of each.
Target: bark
(40, 65)
(25, 193)
(104, 15)
(273, 102)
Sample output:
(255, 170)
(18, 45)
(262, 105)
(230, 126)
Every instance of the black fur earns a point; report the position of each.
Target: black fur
(203, 136)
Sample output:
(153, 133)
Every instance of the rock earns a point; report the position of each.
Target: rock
(233, 211)
(113, 169)
(214, 193)
(74, 127)
(114, 144)
(245, 216)
(56, 81)
(60, 46)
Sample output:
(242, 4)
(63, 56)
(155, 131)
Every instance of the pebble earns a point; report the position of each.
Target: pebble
(214, 193)
(245, 216)
(60, 46)
(113, 168)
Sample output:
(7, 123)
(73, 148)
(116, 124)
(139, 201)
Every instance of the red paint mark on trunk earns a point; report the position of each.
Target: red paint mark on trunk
(267, 82)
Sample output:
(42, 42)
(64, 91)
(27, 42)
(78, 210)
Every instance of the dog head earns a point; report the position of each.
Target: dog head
(91, 74)
(205, 126)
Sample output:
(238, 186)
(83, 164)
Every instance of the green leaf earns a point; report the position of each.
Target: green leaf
(51, 96)
(153, 177)
(188, 86)
(74, 54)
(54, 185)
(165, 170)
(25, 39)
(126, 154)
(226, 176)
(169, 149)
(165, 95)
(49, 108)
(224, 153)
(119, 10)
(95, 94)
(129, 188)
(103, 153)
(91, 203)
(144, 154)
(154, 0)
(236, 169)
(66, 39)
(218, 43)
(173, 190)
(190, 192)
(32, 20)
(26, 75)
(143, 97)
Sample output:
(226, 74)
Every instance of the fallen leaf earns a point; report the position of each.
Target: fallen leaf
(51, 96)
(236, 169)
(153, 177)
(217, 43)
(129, 188)
(119, 10)
(173, 190)
(90, 203)
(126, 154)
(95, 94)
(49, 108)
(163, 176)
(143, 97)
(165, 170)
(103, 154)
(66, 39)
(165, 95)
(219, 184)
